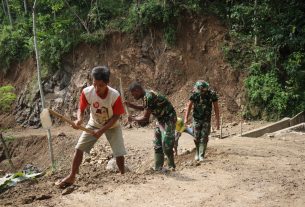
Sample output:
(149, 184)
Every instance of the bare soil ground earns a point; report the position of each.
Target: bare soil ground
(238, 171)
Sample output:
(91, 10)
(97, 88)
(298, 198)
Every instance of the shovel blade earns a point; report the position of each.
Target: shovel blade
(45, 119)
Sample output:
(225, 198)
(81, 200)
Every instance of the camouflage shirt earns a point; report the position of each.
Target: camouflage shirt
(203, 105)
(160, 107)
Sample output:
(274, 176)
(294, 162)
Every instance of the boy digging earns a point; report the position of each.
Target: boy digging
(105, 110)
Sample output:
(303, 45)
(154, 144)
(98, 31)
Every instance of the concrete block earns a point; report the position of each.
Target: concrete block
(297, 119)
(297, 128)
(284, 123)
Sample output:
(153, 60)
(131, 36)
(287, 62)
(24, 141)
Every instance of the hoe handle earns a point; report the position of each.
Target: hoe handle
(63, 118)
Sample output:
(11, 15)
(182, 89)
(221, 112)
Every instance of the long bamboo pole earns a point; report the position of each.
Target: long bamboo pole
(40, 85)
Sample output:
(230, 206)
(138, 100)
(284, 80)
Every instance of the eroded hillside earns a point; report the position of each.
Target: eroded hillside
(169, 69)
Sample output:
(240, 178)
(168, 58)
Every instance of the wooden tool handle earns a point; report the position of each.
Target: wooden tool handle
(63, 118)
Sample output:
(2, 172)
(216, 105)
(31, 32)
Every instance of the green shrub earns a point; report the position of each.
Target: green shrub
(275, 66)
(7, 97)
(13, 44)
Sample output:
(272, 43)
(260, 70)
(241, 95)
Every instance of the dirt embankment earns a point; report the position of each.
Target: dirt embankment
(170, 70)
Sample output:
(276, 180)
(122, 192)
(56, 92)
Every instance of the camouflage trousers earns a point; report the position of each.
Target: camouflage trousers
(165, 137)
(201, 131)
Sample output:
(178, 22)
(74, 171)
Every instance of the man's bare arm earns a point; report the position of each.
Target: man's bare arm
(80, 118)
(187, 112)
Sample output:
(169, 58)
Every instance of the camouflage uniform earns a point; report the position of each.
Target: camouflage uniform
(202, 119)
(202, 114)
(165, 113)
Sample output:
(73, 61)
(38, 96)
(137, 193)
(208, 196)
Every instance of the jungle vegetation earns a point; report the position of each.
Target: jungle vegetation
(266, 39)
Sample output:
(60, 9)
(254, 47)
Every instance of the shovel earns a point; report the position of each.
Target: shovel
(46, 121)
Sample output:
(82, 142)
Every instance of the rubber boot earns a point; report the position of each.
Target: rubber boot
(159, 161)
(197, 152)
(202, 149)
(171, 161)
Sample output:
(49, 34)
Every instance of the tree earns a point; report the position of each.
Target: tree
(25, 6)
(9, 13)
(4, 7)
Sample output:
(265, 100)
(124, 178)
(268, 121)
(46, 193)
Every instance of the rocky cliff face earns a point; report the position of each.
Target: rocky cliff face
(170, 70)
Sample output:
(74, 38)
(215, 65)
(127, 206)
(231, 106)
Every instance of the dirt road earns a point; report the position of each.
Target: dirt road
(237, 172)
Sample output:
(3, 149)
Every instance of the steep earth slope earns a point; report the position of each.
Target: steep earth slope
(171, 70)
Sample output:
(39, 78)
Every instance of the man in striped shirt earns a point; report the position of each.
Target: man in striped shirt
(105, 110)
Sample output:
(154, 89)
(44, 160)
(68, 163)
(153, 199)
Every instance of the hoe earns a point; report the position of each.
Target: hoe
(46, 121)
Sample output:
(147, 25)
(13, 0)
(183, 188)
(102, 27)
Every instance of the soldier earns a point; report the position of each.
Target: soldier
(202, 99)
(158, 105)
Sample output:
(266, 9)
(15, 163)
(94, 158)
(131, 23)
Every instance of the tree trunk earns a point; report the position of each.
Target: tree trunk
(255, 22)
(9, 13)
(4, 7)
(25, 6)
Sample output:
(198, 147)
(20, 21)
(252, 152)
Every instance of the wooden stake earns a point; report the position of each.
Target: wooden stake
(241, 127)
(6, 152)
(241, 122)
(221, 127)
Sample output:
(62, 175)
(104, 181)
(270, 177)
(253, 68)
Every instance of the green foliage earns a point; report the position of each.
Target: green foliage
(7, 97)
(275, 83)
(57, 34)
(52, 46)
(102, 12)
(151, 13)
(93, 38)
(274, 63)
(265, 88)
(148, 14)
(238, 54)
(13, 44)
(62, 24)
(170, 35)
(9, 139)
(154, 13)
(12, 179)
